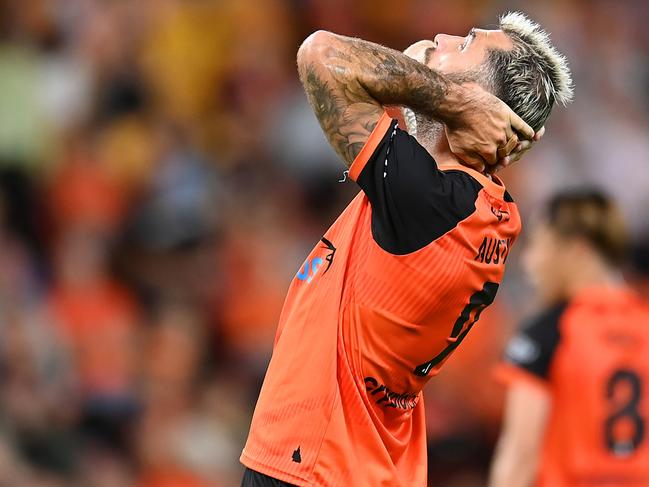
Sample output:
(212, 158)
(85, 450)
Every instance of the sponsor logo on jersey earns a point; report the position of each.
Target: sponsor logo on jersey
(330, 256)
(390, 399)
(313, 265)
(297, 457)
(502, 215)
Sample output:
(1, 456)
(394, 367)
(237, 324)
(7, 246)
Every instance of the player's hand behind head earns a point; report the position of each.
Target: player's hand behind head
(521, 148)
(484, 130)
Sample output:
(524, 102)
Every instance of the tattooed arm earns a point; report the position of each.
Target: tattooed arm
(349, 81)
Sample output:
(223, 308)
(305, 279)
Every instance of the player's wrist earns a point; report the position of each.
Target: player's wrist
(451, 107)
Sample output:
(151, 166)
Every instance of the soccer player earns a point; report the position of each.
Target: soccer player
(577, 373)
(399, 279)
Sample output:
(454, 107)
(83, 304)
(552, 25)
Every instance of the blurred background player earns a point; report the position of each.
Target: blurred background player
(578, 372)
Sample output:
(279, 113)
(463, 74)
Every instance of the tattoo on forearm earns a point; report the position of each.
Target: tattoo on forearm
(350, 83)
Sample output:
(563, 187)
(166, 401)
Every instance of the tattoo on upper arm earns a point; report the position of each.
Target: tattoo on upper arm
(346, 119)
(352, 81)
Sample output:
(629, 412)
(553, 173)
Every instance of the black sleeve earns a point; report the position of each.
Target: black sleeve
(413, 203)
(532, 348)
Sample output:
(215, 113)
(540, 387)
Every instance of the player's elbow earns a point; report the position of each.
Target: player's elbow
(315, 48)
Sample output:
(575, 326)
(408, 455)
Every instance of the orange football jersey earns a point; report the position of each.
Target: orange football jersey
(592, 355)
(380, 303)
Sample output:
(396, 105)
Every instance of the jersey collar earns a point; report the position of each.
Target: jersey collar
(492, 184)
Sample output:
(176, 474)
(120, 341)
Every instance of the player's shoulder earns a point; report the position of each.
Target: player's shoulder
(457, 194)
(462, 180)
(415, 201)
(603, 300)
(537, 338)
(416, 167)
(547, 317)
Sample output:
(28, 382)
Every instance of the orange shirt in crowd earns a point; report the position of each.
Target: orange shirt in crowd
(173, 478)
(98, 321)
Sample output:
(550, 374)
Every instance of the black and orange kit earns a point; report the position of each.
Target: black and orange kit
(591, 355)
(377, 307)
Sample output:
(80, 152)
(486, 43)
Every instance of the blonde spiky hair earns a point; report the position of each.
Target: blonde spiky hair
(519, 25)
(532, 75)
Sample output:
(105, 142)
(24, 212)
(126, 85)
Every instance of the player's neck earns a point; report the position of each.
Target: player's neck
(430, 134)
(594, 274)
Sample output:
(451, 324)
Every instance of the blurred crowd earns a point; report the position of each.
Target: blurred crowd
(161, 179)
